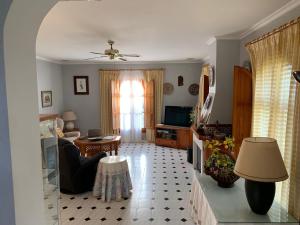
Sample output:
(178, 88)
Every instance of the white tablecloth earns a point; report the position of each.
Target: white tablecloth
(199, 207)
(113, 180)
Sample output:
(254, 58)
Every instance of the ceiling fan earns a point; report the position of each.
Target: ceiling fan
(112, 53)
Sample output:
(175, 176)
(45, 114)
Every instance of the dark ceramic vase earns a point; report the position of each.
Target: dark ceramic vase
(260, 195)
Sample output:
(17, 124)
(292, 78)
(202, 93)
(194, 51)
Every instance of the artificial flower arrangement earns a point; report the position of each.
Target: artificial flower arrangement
(220, 163)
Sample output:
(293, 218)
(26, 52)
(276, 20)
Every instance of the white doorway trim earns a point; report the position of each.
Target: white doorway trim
(20, 30)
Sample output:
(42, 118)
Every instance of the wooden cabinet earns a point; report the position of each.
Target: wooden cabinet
(166, 142)
(184, 138)
(44, 117)
(242, 106)
(173, 136)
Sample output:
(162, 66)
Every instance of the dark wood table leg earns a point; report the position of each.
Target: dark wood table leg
(116, 149)
(82, 151)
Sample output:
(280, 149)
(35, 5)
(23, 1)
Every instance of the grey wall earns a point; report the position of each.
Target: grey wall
(223, 55)
(227, 55)
(293, 14)
(49, 77)
(87, 107)
(7, 212)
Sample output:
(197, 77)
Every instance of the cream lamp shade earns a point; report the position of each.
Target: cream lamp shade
(69, 116)
(260, 160)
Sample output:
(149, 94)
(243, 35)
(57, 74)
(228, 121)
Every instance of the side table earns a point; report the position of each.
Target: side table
(113, 180)
(211, 205)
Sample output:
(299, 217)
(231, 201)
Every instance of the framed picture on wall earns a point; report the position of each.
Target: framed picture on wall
(46, 98)
(81, 85)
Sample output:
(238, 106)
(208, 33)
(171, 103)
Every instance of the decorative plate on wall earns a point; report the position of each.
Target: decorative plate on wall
(194, 89)
(168, 88)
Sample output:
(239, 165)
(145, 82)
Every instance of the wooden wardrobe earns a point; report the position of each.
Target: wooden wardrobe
(242, 106)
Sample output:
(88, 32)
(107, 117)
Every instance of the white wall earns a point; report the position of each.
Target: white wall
(7, 211)
(49, 77)
(20, 31)
(87, 107)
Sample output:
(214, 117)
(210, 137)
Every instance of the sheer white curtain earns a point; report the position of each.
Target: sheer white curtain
(131, 105)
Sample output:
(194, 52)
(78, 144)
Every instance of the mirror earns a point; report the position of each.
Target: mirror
(206, 93)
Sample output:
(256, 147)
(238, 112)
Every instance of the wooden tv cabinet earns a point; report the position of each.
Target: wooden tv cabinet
(173, 136)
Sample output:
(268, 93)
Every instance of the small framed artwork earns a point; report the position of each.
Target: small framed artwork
(46, 98)
(81, 85)
(180, 80)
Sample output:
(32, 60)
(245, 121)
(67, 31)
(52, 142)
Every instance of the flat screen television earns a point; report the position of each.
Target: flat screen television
(178, 116)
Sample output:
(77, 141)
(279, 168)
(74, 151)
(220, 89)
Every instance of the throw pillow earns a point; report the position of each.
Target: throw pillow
(59, 133)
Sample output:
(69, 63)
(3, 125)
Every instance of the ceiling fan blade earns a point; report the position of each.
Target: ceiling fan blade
(92, 58)
(129, 55)
(98, 57)
(123, 59)
(98, 53)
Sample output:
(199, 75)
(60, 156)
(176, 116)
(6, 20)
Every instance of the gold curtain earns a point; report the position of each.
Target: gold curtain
(115, 92)
(292, 36)
(158, 78)
(106, 118)
(149, 109)
(294, 194)
(276, 102)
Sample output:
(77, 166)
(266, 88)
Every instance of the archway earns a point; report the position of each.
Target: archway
(19, 37)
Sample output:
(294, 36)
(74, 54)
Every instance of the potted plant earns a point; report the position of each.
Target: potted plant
(193, 116)
(220, 163)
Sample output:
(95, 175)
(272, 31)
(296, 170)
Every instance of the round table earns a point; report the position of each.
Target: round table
(90, 148)
(113, 180)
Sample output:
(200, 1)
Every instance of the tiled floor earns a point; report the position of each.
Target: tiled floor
(161, 180)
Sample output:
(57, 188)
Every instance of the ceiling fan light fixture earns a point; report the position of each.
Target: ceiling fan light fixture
(113, 53)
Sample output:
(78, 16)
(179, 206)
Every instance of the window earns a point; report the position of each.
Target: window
(131, 109)
(273, 113)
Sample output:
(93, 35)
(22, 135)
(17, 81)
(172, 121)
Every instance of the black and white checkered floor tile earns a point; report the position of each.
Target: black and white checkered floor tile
(161, 180)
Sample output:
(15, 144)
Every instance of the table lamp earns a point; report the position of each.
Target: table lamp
(261, 164)
(69, 117)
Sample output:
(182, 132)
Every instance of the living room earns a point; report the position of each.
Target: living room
(59, 78)
(115, 91)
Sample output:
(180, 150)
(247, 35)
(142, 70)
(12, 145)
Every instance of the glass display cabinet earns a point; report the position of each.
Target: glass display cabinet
(50, 170)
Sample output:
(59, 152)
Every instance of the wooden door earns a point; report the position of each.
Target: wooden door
(242, 106)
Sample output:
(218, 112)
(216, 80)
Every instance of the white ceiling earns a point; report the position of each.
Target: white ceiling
(158, 30)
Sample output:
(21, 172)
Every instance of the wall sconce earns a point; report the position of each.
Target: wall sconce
(296, 75)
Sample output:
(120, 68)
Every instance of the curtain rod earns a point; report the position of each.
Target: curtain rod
(276, 30)
(129, 69)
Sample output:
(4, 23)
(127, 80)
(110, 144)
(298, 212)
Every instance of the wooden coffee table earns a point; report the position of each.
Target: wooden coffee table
(89, 148)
